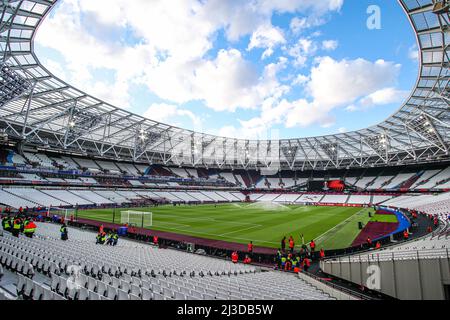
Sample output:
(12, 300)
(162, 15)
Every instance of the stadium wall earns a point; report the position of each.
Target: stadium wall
(414, 279)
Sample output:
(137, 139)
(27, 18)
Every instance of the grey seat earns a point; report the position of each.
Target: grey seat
(58, 297)
(125, 286)
(115, 282)
(20, 284)
(146, 295)
(83, 294)
(38, 292)
(47, 294)
(111, 292)
(134, 297)
(179, 296)
(92, 284)
(157, 296)
(123, 295)
(136, 290)
(94, 296)
(62, 289)
(101, 288)
(29, 287)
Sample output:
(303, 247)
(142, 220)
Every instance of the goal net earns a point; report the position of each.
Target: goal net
(61, 212)
(137, 218)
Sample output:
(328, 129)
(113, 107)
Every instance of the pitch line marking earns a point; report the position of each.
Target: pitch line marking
(343, 222)
(255, 226)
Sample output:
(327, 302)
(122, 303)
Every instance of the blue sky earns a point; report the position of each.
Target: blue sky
(249, 69)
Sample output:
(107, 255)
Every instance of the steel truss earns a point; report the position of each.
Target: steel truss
(42, 110)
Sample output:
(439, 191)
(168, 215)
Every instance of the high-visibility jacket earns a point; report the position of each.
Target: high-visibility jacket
(378, 246)
(291, 243)
(406, 235)
(234, 257)
(17, 225)
(250, 247)
(312, 245)
(30, 227)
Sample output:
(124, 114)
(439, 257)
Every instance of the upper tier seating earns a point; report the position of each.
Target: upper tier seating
(67, 163)
(398, 180)
(363, 182)
(288, 182)
(41, 159)
(128, 168)
(108, 165)
(274, 183)
(424, 178)
(228, 176)
(379, 182)
(87, 164)
(192, 172)
(180, 172)
(431, 183)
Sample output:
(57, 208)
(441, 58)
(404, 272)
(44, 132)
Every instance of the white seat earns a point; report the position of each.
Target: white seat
(29, 286)
(146, 295)
(123, 295)
(101, 288)
(83, 294)
(136, 290)
(111, 292)
(38, 292)
(94, 296)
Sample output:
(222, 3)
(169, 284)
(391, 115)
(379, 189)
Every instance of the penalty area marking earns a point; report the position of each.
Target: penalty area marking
(338, 225)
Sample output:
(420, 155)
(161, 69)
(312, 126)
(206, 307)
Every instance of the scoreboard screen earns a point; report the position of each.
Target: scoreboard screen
(321, 185)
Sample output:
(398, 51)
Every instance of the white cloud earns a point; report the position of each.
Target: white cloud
(170, 114)
(224, 84)
(330, 45)
(413, 53)
(301, 51)
(170, 54)
(169, 42)
(300, 80)
(299, 24)
(385, 96)
(332, 84)
(336, 83)
(267, 37)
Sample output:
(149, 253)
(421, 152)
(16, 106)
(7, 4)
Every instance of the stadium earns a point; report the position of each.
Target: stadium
(365, 215)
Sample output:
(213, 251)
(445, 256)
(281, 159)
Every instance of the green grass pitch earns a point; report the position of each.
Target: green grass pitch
(264, 224)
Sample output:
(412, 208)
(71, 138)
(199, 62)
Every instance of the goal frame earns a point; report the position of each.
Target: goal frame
(142, 222)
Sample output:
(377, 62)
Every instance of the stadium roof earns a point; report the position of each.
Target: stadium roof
(41, 110)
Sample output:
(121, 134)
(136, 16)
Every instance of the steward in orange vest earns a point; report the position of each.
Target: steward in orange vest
(234, 257)
(30, 229)
(322, 254)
